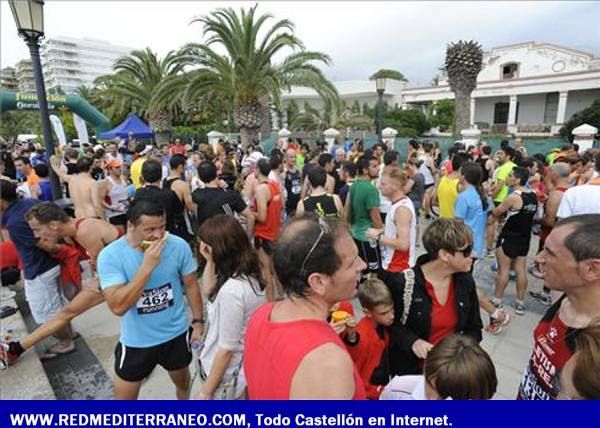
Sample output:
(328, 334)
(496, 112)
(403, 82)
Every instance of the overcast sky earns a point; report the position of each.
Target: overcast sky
(360, 36)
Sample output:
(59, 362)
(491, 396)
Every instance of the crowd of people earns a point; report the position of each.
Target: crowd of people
(270, 249)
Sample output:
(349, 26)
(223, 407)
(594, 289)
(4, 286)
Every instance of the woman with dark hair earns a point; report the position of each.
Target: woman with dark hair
(232, 281)
(436, 298)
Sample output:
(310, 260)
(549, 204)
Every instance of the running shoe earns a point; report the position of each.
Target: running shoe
(496, 325)
(540, 296)
(519, 307)
(496, 302)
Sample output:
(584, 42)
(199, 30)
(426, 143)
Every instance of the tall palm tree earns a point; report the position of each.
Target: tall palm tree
(136, 86)
(463, 63)
(246, 78)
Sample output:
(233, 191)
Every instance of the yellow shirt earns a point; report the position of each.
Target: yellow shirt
(447, 192)
(136, 172)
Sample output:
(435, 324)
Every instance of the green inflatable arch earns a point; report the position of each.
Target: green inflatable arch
(73, 103)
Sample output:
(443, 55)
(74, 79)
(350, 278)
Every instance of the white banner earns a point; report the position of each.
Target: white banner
(82, 133)
(58, 129)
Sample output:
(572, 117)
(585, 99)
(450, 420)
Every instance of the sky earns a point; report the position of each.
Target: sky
(360, 37)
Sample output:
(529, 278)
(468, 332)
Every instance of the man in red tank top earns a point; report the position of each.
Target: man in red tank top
(89, 236)
(570, 262)
(267, 211)
(291, 352)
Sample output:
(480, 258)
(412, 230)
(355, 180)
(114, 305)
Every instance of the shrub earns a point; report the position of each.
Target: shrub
(589, 115)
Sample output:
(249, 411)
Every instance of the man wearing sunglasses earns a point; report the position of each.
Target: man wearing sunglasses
(291, 352)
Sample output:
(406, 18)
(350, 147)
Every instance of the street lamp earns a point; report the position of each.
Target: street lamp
(380, 86)
(29, 16)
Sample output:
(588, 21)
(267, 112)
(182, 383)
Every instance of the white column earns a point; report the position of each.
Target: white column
(472, 116)
(562, 107)
(285, 119)
(275, 119)
(512, 110)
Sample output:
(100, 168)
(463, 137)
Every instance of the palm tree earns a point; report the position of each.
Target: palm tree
(136, 86)
(388, 74)
(335, 114)
(463, 64)
(246, 79)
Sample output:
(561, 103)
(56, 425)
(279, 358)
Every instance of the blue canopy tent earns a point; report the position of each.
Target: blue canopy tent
(131, 125)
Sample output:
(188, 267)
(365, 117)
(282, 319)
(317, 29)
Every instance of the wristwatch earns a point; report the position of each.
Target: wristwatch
(200, 320)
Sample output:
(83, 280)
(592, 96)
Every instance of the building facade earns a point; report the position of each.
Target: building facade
(524, 88)
(68, 62)
(24, 76)
(8, 79)
(528, 88)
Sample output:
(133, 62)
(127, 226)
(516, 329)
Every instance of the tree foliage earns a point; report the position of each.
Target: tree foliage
(589, 115)
(388, 74)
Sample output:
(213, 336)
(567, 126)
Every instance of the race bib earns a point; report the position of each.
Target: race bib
(296, 188)
(155, 300)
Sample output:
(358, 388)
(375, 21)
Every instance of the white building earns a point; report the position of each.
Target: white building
(527, 88)
(24, 76)
(8, 79)
(68, 62)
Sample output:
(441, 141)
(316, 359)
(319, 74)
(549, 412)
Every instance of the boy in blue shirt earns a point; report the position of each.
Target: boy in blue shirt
(142, 276)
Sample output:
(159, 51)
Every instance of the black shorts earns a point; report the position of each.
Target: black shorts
(118, 220)
(263, 243)
(370, 255)
(136, 364)
(427, 186)
(513, 246)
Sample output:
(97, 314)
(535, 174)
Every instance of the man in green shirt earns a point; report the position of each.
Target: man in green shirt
(499, 192)
(361, 211)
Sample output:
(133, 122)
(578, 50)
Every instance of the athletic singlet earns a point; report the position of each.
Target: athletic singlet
(519, 223)
(395, 260)
(426, 171)
(485, 173)
(322, 205)
(447, 192)
(180, 224)
(117, 196)
(269, 228)
(545, 230)
(279, 348)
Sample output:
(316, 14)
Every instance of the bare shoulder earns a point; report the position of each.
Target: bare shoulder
(325, 372)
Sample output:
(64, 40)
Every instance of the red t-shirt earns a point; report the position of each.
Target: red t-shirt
(274, 350)
(444, 318)
(177, 150)
(9, 257)
(550, 353)
(368, 352)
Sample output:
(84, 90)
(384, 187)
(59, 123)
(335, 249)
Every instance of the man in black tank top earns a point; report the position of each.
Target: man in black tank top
(320, 202)
(183, 203)
(520, 207)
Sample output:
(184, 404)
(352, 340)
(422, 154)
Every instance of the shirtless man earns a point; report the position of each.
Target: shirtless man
(82, 187)
(50, 223)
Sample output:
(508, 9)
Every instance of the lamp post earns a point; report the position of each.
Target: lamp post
(380, 86)
(29, 17)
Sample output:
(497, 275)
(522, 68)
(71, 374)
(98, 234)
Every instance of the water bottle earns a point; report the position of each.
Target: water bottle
(196, 346)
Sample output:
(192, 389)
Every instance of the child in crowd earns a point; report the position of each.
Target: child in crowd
(456, 368)
(368, 343)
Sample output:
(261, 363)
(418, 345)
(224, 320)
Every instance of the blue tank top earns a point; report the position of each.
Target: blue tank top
(46, 188)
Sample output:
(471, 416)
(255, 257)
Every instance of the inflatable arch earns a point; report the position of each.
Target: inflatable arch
(63, 103)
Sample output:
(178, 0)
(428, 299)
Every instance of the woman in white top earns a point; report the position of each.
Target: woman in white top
(114, 196)
(234, 287)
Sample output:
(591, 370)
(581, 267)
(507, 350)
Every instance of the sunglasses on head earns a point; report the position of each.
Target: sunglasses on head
(467, 251)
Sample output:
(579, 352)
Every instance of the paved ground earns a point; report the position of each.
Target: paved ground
(86, 373)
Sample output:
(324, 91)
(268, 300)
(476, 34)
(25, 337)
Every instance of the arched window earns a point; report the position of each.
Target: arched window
(510, 70)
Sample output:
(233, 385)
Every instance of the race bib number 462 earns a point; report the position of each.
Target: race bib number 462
(155, 300)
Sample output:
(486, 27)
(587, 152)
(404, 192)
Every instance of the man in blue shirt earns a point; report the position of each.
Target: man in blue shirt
(142, 276)
(41, 271)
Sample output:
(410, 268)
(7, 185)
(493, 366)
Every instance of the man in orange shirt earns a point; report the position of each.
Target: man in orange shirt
(23, 165)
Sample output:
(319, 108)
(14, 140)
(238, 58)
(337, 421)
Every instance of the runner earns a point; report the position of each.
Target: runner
(513, 242)
(291, 352)
(49, 223)
(570, 263)
(142, 276)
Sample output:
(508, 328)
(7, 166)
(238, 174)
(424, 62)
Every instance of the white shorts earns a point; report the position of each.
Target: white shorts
(44, 295)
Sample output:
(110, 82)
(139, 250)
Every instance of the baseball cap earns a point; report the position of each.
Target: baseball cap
(115, 163)
(252, 159)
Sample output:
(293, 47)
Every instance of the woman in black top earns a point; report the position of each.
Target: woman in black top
(435, 299)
